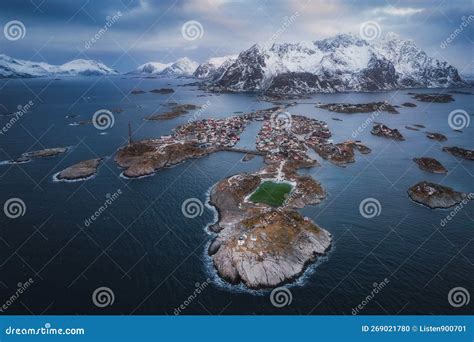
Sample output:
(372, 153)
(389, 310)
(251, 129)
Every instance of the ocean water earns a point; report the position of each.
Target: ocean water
(153, 258)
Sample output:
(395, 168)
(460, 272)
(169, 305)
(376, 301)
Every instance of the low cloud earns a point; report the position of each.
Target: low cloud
(397, 11)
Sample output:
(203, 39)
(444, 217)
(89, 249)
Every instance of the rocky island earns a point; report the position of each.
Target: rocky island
(162, 91)
(438, 98)
(45, 153)
(257, 244)
(435, 196)
(436, 136)
(176, 111)
(460, 152)
(430, 165)
(80, 171)
(350, 108)
(342, 153)
(383, 131)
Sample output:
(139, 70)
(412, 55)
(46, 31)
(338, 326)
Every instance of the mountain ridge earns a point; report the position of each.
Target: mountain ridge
(341, 63)
(18, 68)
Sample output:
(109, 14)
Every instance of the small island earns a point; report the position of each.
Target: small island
(162, 91)
(342, 153)
(265, 245)
(436, 136)
(430, 165)
(45, 153)
(460, 152)
(435, 196)
(351, 108)
(384, 131)
(176, 111)
(438, 98)
(80, 171)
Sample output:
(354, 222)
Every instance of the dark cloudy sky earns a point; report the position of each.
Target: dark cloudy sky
(150, 30)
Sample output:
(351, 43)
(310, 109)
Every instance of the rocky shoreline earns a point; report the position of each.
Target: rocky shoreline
(435, 196)
(384, 131)
(351, 108)
(80, 171)
(45, 153)
(430, 165)
(438, 98)
(460, 152)
(261, 246)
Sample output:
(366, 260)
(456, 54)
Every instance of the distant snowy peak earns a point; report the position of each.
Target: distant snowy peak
(208, 69)
(341, 63)
(85, 67)
(182, 67)
(13, 68)
(151, 68)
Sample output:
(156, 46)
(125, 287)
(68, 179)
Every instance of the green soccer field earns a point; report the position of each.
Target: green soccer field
(271, 193)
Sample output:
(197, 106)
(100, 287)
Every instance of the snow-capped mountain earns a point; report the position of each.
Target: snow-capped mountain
(212, 66)
(182, 67)
(341, 63)
(12, 67)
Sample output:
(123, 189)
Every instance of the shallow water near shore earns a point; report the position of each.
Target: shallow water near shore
(152, 256)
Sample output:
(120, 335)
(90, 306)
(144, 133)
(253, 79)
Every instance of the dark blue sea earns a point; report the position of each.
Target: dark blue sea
(153, 258)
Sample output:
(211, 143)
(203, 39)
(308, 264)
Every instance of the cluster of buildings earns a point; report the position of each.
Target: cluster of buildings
(213, 132)
(280, 143)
